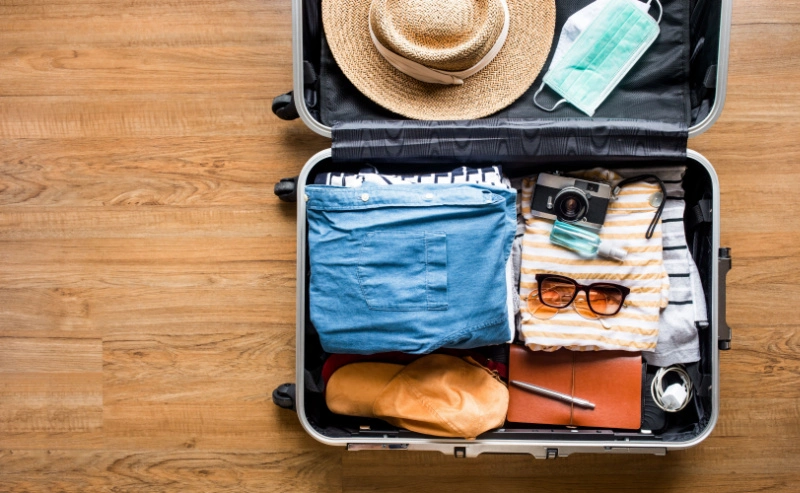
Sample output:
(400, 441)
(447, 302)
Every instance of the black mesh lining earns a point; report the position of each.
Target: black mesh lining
(705, 34)
(312, 32)
(657, 88)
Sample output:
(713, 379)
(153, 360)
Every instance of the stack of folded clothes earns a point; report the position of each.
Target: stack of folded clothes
(411, 264)
(635, 327)
(666, 304)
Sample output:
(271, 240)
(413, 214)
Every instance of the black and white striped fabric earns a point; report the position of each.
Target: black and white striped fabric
(678, 340)
(491, 176)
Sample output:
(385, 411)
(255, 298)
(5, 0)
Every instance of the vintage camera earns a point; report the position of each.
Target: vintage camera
(570, 200)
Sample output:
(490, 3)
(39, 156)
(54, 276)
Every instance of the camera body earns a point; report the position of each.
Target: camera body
(571, 200)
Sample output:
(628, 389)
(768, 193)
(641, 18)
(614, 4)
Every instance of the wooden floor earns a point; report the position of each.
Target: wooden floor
(147, 272)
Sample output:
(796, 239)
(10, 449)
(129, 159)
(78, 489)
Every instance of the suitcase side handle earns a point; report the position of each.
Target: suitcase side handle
(724, 331)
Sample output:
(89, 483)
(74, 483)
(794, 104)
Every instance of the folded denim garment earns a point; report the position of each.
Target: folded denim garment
(490, 176)
(409, 268)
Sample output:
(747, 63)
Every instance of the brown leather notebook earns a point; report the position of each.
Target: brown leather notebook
(611, 380)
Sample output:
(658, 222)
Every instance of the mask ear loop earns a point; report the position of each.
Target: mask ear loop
(542, 107)
(660, 10)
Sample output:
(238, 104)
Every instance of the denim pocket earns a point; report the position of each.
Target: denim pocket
(403, 272)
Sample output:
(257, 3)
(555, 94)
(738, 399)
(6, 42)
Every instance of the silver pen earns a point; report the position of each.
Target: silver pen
(553, 394)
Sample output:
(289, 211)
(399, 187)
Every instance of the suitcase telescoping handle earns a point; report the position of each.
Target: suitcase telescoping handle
(724, 330)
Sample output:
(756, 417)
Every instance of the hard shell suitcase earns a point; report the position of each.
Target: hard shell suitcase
(524, 142)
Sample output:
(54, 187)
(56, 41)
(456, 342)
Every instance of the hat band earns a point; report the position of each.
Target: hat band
(427, 74)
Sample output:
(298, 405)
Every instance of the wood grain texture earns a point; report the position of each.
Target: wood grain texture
(147, 273)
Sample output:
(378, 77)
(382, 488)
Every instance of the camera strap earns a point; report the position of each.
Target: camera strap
(663, 201)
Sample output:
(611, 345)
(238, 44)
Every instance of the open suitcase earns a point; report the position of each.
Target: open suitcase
(646, 122)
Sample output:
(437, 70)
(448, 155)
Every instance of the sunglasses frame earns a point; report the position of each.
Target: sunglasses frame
(581, 287)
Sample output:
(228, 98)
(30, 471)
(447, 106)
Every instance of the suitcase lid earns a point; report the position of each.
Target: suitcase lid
(369, 132)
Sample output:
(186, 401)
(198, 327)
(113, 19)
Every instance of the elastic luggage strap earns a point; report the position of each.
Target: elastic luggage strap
(512, 141)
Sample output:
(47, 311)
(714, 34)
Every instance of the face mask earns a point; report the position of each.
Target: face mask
(598, 45)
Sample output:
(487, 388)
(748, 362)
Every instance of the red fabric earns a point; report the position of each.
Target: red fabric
(336, 361)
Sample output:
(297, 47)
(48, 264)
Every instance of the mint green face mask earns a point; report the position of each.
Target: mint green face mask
(597, 47)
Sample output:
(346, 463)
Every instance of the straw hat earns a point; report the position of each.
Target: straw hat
(505, 42)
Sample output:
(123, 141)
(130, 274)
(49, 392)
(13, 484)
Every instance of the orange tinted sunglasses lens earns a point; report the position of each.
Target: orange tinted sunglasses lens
(540, 310)
(605, 300)
(582, 307)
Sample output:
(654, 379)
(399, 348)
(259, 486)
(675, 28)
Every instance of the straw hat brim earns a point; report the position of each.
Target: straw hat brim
(499, 84)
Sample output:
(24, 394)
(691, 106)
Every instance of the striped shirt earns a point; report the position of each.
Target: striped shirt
(491, 175)
(635, 327)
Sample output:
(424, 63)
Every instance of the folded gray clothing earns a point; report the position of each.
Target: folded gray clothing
(678, 341)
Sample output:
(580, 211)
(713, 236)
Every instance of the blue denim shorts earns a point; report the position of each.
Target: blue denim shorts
(409, 268)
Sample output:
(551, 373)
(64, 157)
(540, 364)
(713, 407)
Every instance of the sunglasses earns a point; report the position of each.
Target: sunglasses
(601, 298)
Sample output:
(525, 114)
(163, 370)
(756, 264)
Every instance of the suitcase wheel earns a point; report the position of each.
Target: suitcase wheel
(283, 396)
(286, 189)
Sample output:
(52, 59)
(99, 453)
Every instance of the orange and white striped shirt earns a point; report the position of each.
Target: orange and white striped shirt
(635, 327)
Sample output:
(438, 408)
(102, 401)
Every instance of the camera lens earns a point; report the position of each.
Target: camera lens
(569, 207)
(570, 204)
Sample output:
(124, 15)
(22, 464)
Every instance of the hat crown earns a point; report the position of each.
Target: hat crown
(441, 34)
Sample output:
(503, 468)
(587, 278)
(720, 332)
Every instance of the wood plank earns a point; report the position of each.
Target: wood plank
(193, 23)
(43, 223)
(275, 275)
(146, 471)
(115, 172)
(50, 355)
(204, 365)
(170, 307)
(28, 72)
(148, 115)
(53, 403)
